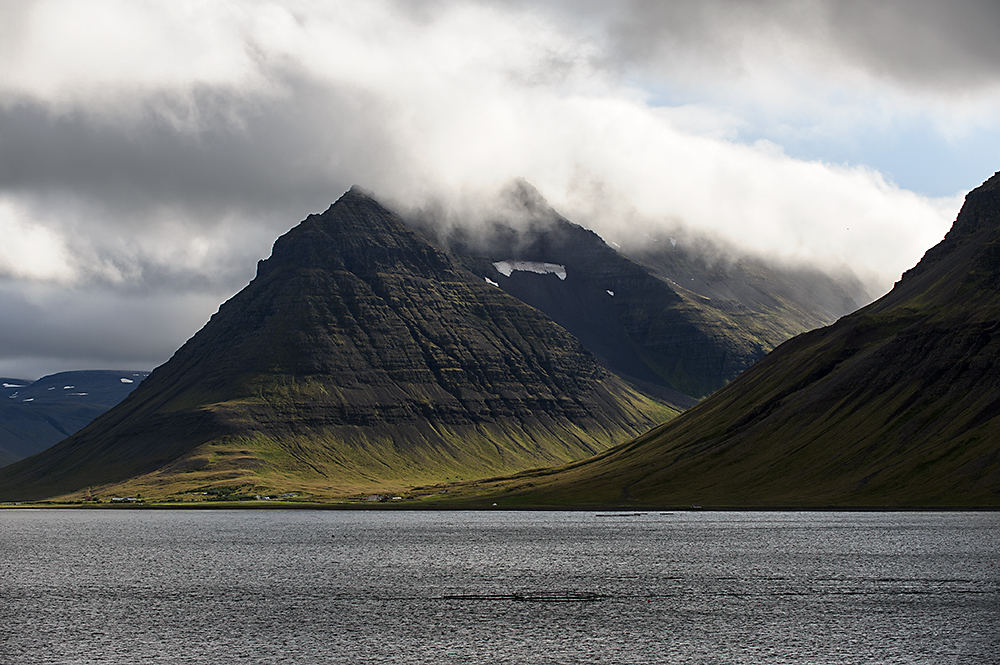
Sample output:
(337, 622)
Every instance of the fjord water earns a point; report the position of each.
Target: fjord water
(176, 586)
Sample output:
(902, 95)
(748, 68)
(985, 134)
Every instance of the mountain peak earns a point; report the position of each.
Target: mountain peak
(981, 210)
(972, 232)
(993, 182)
(897, 404)
(358, 235)
(520, 195)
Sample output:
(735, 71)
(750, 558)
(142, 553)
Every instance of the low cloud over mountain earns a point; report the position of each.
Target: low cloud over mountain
(156, 149)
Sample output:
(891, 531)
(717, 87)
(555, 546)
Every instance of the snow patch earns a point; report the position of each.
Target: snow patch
(30, 399)
(68, 387)
(611, 293)
(505, 268)
(490, 281)
(15, 385)
(127, 381)
(78, 393)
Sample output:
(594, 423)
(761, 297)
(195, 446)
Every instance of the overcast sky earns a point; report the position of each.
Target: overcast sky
(151, 151)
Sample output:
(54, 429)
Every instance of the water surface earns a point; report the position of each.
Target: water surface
(145, 586)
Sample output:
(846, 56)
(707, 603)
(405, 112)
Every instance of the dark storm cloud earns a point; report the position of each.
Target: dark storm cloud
(45, 329)
(261, 153)
(922, 43)
(925, 44)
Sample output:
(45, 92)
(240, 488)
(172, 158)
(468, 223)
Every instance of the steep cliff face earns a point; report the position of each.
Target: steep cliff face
(361, 355)
(895, 405)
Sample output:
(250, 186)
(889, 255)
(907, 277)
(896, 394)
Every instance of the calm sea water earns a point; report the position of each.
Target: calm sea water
(138, 586)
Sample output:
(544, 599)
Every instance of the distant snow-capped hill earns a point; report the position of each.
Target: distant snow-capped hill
(34, 415)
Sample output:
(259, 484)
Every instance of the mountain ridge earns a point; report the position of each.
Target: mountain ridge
(624, 306)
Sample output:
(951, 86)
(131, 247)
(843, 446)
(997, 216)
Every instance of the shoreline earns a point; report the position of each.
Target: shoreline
(607, 511)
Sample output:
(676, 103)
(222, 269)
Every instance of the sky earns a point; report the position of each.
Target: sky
(151, 151)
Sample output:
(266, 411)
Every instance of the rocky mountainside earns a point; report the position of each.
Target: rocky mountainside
(895, 405)
(361, 357)
(665, 318)
(37, 414)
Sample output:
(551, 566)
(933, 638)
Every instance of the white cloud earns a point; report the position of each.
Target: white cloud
(105, 53)
(30, 251)
(157, 146)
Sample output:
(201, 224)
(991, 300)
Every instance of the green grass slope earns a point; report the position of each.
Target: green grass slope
(896, 405)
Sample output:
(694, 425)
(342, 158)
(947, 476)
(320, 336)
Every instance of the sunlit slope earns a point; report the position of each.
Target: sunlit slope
(895, 405)
(360, 358)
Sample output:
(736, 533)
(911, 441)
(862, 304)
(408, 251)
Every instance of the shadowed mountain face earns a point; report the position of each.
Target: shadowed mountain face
(666, 319)
(361, 356)
(895, 405)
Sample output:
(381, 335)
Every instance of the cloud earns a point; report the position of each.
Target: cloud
(30, 251)
(768, 204)
(47, 328)
(155, 150)
(921, 47)
(110, 54)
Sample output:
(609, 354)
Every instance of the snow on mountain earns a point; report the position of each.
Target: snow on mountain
(505, 268)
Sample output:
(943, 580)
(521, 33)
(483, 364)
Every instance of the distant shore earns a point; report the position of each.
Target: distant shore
(604, 511)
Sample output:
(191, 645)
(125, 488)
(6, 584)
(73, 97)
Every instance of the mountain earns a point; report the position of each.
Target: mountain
(666, 317)
(360, 358)
(36, 414)
(895, 405)
(774, 302)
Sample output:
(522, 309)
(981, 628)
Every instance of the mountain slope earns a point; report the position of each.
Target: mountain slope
(682, 342)
(360, 357)
(773, 301)
(37, 414)
(895, 405)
